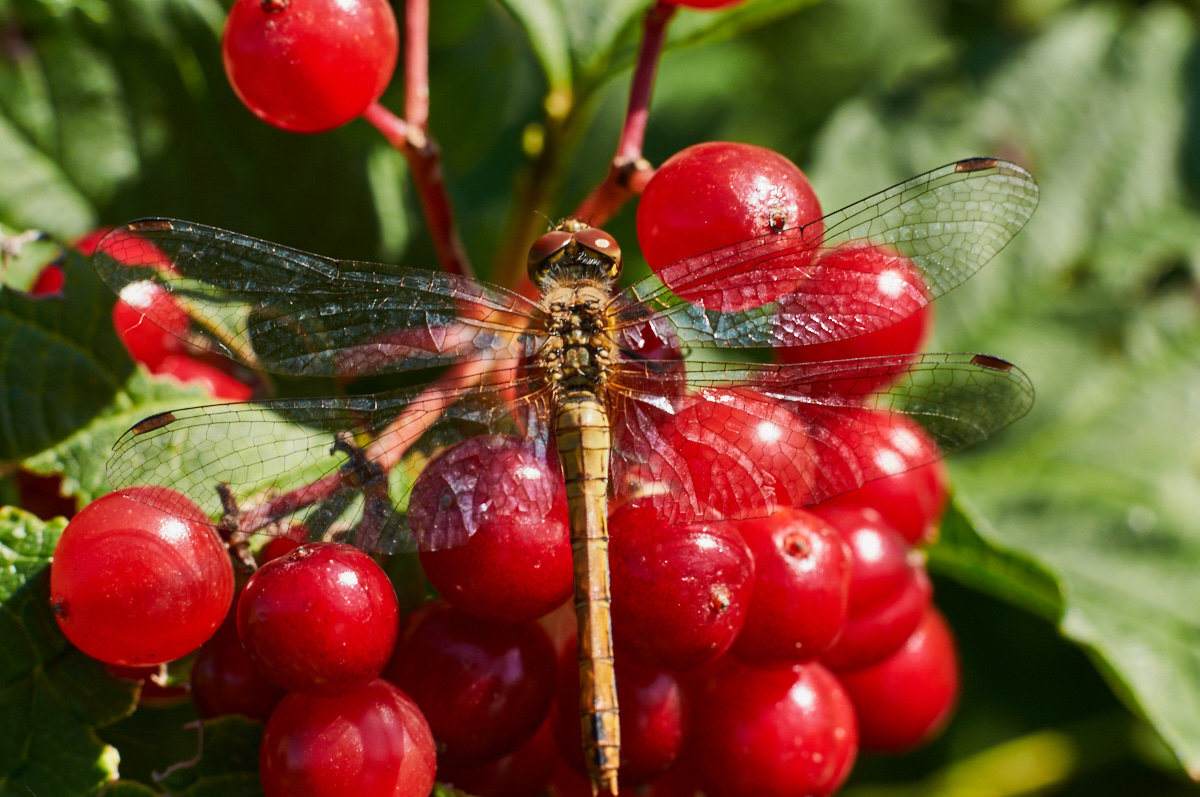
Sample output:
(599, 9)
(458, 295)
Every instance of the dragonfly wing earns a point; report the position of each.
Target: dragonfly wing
(290, 312)
(745, 439)
(291, 461)
(947, 223)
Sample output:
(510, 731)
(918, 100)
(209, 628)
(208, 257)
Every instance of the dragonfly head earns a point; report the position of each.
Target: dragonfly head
(574, 250)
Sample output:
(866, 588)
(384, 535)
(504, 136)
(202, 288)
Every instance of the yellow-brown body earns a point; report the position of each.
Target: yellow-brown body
(577, 357)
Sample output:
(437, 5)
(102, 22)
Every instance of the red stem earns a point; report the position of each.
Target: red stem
(416, 64)
(411, 137)
(629, 171)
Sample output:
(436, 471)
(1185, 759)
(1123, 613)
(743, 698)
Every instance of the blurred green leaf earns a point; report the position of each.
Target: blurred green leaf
(43, 339)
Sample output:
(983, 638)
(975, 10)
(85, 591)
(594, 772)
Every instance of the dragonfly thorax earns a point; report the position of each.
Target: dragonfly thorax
(578, 350)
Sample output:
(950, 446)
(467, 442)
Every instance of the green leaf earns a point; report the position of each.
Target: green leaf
(1085, 511)
(41, 341)
(580, 43)
(227, 763)
(53, 697)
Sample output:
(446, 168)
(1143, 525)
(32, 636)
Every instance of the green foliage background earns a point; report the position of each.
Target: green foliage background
(1070, 564)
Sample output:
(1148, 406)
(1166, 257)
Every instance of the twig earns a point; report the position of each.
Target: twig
(411, 137)
(629, 171)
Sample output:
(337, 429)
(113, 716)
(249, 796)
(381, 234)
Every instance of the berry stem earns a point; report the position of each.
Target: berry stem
(410, 136)
(629, 171)
(416, 64)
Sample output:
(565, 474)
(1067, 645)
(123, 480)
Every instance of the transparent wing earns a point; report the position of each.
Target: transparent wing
(785, 289)
(741, 440)
(286, 311)
(342, 466)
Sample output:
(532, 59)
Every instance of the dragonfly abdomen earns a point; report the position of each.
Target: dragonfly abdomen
(583, 440)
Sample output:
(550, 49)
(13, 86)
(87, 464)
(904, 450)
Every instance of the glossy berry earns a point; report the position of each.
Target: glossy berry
(801, 588)
(523, 772)
(651, 717)
(745, 454)
(490, 515)
(889, 588)
(150, 323)
(485, 687)
(718, 194)
(224, 681)
(778, 732)
(133, 585)
(309, 65)
(372, 742)
(879, 291)
(679, 593)
(277, 547)
(321, 620)
(907, 481)
(904, 701)
(49, 281)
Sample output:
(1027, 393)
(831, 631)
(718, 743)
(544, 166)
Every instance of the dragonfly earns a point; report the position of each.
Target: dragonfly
(589, 375)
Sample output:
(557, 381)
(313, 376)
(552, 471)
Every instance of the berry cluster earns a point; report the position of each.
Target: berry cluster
(754, 655)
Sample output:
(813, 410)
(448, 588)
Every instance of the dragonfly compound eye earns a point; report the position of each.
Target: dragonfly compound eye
(604, 245)
(544, 252)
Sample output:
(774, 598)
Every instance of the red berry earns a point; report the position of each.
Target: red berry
(215, 382)
(277, 547)
(321, 620)
(133, 585)
(49, 281)
(904, 701)
(372, 742)
(224, 681)
(150, 323)
(521, 773)
(889, 589)
(745, 454)
(906, 477)
(679, 593)
(485, 687)
(801, 588)
(309, 65)
(491, 516)
(880, 291)
(779, 732)
(651, 717)
(718, 194)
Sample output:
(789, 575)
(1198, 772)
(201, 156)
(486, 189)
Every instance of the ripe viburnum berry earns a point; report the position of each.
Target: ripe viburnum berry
(718, 194)
(905, 700)
(309, 65)
(321, 620)
(372, 742)
(133, 585)
(490, 514)
(680, 593)
(801, 588)
(485, 687)
(782, 731)
(873, 295)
